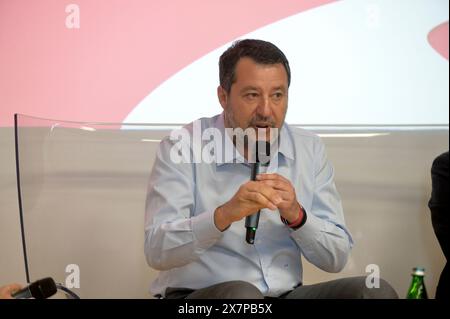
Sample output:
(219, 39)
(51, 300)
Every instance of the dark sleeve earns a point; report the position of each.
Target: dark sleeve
(439, 201)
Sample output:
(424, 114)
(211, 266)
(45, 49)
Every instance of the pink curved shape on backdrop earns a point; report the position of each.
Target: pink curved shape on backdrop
(122, 51)
(438, 39)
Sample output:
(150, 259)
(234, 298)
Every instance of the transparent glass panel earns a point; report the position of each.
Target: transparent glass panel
(83, 190)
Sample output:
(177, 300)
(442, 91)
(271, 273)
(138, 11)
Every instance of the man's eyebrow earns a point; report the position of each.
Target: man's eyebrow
(281, 87)
(249, 88)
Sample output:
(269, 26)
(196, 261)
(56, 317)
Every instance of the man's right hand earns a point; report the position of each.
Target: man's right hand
(250, 198)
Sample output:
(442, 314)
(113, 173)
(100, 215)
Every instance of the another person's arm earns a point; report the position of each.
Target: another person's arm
(8, 290)
(439, 202)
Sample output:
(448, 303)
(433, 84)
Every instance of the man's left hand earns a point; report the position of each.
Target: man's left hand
(289, 207)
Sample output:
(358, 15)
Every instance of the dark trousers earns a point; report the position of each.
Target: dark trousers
(346, 288)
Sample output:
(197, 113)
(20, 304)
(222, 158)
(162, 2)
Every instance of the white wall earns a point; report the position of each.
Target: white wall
(92, 194)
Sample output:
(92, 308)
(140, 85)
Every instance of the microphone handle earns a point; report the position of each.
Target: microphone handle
(255, 171)
(24, 293)
(251, 222)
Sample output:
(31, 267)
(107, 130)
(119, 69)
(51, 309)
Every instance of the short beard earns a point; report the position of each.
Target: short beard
(229, 118)
(230, 122)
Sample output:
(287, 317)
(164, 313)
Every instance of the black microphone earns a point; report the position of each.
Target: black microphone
(262, 157)
(40, 289)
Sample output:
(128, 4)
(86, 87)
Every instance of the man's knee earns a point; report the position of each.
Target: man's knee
(241, 290)
(382, 290)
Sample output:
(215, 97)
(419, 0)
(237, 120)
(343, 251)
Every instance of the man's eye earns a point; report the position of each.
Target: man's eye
(278, 95)
(252, 95)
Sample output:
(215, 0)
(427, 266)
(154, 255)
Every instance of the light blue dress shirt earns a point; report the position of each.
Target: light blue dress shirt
(182, 241)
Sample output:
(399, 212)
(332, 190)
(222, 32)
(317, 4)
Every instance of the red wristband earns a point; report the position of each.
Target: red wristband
(297, 221)
(300, 221)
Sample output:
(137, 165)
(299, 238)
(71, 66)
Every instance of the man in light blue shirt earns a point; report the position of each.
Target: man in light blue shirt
(196, 207)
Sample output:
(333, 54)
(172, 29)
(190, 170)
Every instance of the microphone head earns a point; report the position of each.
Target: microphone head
(263, 152)
(43, 288)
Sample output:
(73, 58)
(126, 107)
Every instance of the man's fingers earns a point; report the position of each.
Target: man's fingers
(15, 287)
(264, 177)
(281, 185)
(278, 185)
(265, 190)
(261, 200)
(267, 176)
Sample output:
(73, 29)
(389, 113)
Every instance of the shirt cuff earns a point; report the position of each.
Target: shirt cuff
(205, 231)
(309, 232)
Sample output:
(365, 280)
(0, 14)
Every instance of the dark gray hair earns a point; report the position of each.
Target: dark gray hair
(260, 51)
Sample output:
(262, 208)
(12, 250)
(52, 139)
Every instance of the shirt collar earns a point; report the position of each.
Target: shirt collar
(285, 146)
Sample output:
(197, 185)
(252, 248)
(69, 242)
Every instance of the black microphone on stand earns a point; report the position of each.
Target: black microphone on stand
(262, 156)
(40, 289)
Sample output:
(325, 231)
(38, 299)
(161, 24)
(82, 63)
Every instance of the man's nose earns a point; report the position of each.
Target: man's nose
(264, 107)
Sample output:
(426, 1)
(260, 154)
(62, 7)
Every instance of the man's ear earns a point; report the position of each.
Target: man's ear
(223, 96)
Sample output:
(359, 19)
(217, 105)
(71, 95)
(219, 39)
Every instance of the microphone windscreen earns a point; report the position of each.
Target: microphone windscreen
(43, 288)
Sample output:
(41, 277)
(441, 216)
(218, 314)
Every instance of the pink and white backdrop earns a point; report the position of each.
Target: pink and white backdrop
(353, 61)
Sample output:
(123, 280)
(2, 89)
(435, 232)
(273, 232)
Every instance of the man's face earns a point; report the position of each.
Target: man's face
(258, 98)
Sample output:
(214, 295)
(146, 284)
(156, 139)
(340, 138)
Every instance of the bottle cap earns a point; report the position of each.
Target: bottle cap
(419, 271)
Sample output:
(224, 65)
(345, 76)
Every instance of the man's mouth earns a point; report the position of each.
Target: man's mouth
(263, 126)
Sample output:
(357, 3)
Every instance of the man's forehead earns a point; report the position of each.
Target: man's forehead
(248, 72)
